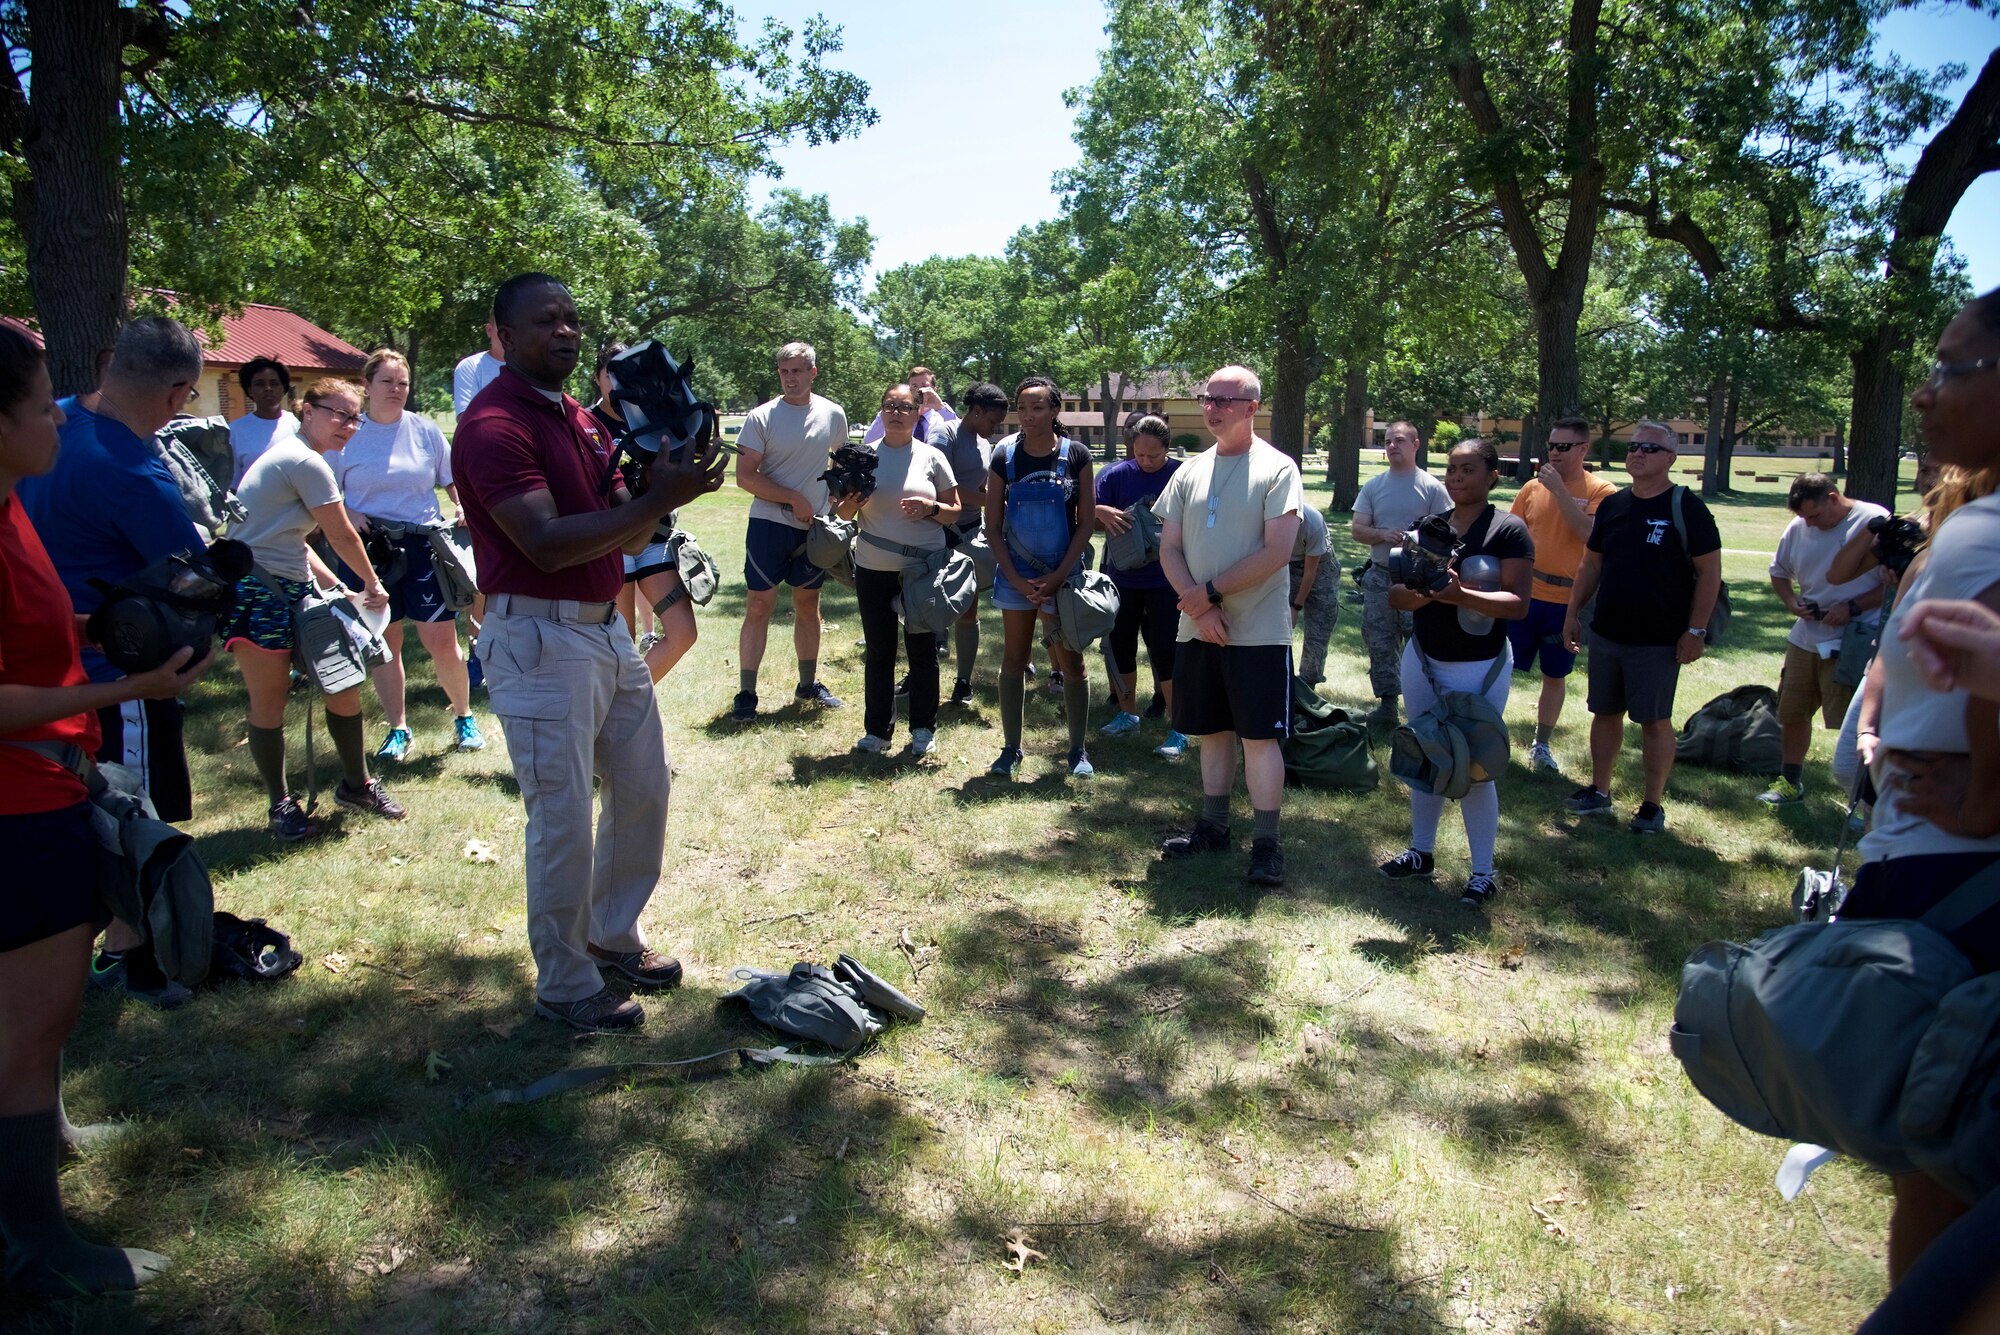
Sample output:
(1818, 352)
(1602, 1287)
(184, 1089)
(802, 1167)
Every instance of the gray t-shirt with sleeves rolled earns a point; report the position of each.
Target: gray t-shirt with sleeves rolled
(795, 441)
(915, 470)
(284, 486)
(1222, 504)
(1398, 500)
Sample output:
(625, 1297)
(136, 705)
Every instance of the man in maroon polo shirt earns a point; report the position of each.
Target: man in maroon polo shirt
(549, 518)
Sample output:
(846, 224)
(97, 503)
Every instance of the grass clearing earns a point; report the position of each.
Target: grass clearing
(1345, 1106)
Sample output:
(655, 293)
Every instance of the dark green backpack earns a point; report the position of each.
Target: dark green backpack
(1327, 749)
(1738, 731)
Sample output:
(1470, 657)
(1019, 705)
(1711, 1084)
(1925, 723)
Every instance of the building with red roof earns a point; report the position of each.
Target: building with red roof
(296, 343)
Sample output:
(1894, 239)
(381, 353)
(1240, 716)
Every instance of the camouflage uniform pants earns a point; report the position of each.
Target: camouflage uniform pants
(1321, 615)
(1384, 630)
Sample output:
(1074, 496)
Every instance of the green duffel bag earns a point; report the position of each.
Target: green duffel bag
(1737, 731)
(1327, 748)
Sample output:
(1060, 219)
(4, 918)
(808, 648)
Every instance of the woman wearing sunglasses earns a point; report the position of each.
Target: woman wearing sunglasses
(290, 491)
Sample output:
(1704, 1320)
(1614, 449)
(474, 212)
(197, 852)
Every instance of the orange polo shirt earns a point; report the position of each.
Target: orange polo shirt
(1558, 551)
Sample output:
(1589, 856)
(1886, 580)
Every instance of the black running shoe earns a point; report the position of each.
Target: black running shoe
(1205, 837)
(1479, 891)
(1267, 863)
(961, 692)
(744, 708)
(370, 798)
(1407, 864)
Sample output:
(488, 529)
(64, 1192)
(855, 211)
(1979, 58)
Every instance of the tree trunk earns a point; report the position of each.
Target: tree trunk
(1729, 416)
(1840, 449)
(1426, 424)
(1111, 395)
(68, 205)
(1344, 451)
(1714, 467)
(1294, 370)
(1558, 381)
(1877, 430)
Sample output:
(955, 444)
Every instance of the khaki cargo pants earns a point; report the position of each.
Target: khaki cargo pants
(574, 700)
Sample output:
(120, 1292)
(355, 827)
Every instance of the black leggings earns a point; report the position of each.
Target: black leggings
(1155, 613)
(875, 591)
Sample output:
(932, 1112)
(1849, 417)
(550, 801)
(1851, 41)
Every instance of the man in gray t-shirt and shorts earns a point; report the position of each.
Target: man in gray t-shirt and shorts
(1388, 506)
(783, 448)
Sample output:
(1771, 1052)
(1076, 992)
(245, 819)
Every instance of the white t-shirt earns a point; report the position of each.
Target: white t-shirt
(250, 435)
(1805, 553)
(1398, 500)
(795, 442)
(393, 472)
(470, 376)
(1963, 562)
(918, 470)
(279, 493)
(1240, 493)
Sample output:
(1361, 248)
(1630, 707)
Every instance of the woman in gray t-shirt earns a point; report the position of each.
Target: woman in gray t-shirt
(901, 522)
(287, 493)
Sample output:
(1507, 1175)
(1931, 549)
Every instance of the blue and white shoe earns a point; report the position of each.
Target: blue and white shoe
(395, 746)
(1173, 748)
(1120, 725)
(465, 734)
(873, 745)
(1079, 764)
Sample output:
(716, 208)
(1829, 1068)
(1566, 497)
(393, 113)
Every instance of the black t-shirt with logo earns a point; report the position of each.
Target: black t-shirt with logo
(1440, 634)
(1645, 588)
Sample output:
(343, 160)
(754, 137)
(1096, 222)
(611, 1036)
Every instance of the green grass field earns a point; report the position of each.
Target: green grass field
(1344, 1106)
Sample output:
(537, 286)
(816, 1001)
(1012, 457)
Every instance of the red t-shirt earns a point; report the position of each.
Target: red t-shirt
(513, 440)
(38, 647)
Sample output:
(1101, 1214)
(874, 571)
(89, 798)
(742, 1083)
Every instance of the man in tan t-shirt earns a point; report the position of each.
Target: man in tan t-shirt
(1228, 519)
(1557, 505)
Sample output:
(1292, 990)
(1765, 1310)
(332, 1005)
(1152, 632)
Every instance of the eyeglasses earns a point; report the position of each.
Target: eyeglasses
(1943, 371)
(1217, 400)
(888, 408)
(1647, 447)
(339, 417)
(1565, 446)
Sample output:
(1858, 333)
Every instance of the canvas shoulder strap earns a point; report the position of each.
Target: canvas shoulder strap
(898, 548)
(71, 757)
(712, 1063)
(1680, 517)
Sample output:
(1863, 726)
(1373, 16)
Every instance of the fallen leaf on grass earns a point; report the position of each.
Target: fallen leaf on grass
(1513, 957)
(1550, 1224)
(435, 1066)
(334, 962)
(381, 1259)
(1020, 1250)
(478, 850)
(1313, 1041)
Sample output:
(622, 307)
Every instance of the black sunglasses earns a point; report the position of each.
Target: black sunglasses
(1647, 447)
(1565, 446)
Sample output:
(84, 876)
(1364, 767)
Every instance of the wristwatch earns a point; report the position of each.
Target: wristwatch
(935, 507)
(1214, 598)
(1854, 608)
(1699, 632)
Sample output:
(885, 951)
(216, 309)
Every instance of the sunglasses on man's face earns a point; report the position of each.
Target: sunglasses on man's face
(1565, 446)
(1647, 447)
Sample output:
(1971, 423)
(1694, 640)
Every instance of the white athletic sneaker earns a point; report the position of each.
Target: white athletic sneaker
(1542, 760)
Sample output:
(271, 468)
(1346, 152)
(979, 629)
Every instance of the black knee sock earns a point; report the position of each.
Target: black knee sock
(1793, 774)
(1013, 692)
(267, 750)
(44, 1257)
(1076, 705)
(966, 638)
(345, 729)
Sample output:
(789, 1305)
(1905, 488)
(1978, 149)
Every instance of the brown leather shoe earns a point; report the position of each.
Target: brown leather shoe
(603, 1013)
(641, 968)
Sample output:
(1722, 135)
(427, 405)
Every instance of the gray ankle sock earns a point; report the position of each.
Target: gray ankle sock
(1012, 692)
(808, 673)
(1076, 705)
(966, 640)
(746, 681)
(345, 729)
(1266, 826)
(45, 1258)
(1215, 810)
(267, 751)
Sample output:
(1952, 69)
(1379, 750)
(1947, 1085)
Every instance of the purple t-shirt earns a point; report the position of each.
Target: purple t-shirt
(1118, 487)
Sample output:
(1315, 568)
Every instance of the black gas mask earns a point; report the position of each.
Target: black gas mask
(179, 602)
(1423, 563)
(655, 394)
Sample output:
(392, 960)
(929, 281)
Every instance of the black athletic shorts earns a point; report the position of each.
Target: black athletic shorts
(146, 735)
(51, 880)
(1241, 688)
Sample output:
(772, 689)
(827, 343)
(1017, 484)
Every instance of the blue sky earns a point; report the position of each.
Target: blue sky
(972, 122)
